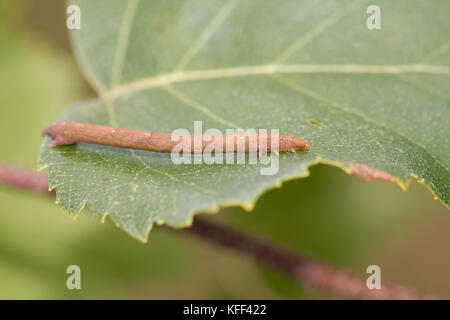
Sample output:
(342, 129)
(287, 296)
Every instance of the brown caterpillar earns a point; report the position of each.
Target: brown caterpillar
(65, 133)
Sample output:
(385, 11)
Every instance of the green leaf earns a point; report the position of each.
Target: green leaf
(309, 68)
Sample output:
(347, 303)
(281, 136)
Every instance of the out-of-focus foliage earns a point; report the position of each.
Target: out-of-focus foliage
(329, 215)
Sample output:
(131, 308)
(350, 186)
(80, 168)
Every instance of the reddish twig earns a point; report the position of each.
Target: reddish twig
(304, 270)
(65, 133)
(24, 179)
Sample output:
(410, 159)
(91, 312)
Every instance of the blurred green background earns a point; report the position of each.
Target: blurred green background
(332, 216)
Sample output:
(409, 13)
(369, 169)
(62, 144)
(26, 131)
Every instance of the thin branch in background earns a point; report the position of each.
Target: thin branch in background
(24, 179)
(304, 270)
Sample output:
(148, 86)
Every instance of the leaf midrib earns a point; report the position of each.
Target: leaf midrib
(209, 74)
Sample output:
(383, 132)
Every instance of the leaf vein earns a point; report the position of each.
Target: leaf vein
(122, 42)
(167, 79)
(206, 191)
(204, 37)
(331, 103)
(196, 105)
(313, 33)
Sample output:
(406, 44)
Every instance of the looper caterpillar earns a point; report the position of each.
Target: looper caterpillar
(65, 133)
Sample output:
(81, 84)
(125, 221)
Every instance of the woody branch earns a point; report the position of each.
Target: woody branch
(302, 269)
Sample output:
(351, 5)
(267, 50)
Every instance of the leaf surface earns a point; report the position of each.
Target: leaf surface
(311, 69)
